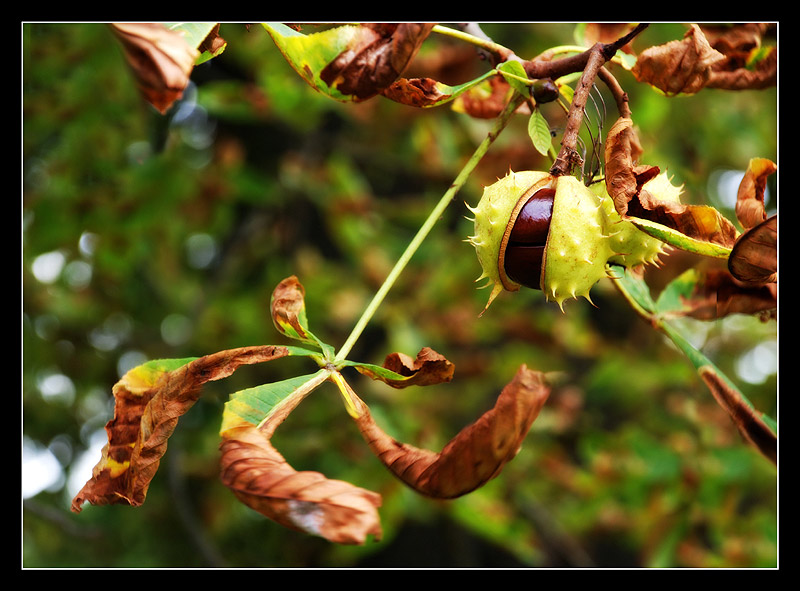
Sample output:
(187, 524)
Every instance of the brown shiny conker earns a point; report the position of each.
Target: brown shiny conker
(524, 250)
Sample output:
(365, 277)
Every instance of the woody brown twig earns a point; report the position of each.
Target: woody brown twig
(591, 62)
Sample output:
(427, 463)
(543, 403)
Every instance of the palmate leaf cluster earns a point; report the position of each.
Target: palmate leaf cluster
(632, 449)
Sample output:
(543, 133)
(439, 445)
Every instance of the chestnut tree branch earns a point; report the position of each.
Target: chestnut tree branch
(591, 63)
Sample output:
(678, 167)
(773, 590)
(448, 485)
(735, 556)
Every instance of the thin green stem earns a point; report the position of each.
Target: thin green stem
(483, 43)
(427, 226)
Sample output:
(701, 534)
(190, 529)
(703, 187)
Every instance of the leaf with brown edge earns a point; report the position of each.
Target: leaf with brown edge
(304, 501)
(486, 100)
(678, 67)
(149, 400)
(288, 309)
(374, 58)
(418, 92)
(475, 455)
(160, 58)
(750, 197)
(754, 258)
(750, 423)
(400, 370)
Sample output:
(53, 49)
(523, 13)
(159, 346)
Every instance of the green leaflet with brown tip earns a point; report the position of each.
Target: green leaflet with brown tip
(680, 240)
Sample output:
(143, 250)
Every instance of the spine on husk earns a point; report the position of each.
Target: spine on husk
(586, 234)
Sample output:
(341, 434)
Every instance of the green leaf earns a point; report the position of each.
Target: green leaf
(539, 132)
(564, 88)
(516, 76)
(680, 240)
(672, 297)
(309, 54)
(302, 352)
(634, 288)
(255, 405)
(377, 372)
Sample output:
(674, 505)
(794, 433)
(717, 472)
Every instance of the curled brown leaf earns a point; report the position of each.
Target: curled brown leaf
(415, 92)
(748, 63)
(750, 424)
(376, 57)
(426, 369)
(765, 75)
(148, 403)
(718, 294)
(754, 258)
(626, 184)
(288, 309)
(213, 43)
(678, 67)
(750, 197)
(623, 177)
(475, 455)
(161, 60)
(487, 100)
(305, 501)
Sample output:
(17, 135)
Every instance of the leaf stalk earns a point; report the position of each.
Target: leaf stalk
(499, 124)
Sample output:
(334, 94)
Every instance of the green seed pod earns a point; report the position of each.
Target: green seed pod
(564, 254)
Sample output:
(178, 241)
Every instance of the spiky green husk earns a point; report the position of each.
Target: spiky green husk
(491, 220)
(586, 233)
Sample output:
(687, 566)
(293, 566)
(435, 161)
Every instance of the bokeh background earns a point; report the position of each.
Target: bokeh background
(147, 236)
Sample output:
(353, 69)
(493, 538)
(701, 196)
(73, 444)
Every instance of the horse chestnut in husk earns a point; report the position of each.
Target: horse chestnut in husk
(553, 233)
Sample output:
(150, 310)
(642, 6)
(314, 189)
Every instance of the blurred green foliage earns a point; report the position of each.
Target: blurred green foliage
(148, 236)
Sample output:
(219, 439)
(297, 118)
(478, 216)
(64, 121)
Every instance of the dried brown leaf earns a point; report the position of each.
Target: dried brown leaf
(765, 75)
(474, 456)
(718, 294)
(378, 54)
(623, 177)
(288, 309)
(415, 92)
(428, 368)
(747, 420)
(735, 39)
(486, 101)
(739, 43)
(699, 222)
(148, 404)
(161, 60)
(754, 258)
(304, 501)
(677, 67)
